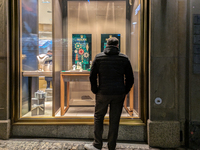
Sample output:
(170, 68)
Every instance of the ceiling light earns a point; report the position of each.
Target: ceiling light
(45, 1)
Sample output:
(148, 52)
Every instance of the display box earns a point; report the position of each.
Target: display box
(38, 103)
(49, 94)
(38, 107)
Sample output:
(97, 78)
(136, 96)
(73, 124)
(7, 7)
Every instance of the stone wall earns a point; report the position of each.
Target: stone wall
(167, 56)
(193, 103)
(4, 69)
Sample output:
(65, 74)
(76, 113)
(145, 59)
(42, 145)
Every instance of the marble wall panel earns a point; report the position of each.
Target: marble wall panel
(182, 11)
(194, 79)
(165, 134)
(195, 98)
(167, 68)
(78, 131)
(131, 133)
(35, 131)
(164, 81)
(4, 129)
(181, 86)
(163, 114)
(182, 48)
(3, 28)
(164, 85)
(168, 59)
(164, 28)
(4, 108)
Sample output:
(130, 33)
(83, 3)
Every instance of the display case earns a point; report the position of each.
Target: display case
(59, 41)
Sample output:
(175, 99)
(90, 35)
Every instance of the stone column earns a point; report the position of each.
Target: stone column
(167, 60)
(193, 118)
(4, 71)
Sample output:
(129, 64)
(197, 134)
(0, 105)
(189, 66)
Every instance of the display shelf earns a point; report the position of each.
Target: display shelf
(74, 72)
(37, 73)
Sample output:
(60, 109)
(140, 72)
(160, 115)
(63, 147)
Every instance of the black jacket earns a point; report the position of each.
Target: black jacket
(113, 71)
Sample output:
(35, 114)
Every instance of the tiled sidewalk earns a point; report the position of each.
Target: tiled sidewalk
(60, 144)
(65, 144)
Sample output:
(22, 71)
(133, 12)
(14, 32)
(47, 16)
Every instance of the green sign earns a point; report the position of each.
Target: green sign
(81, 50)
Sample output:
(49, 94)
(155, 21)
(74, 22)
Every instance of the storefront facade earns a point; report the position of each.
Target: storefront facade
(47, 50)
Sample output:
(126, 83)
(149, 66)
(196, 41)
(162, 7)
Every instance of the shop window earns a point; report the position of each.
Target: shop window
(59, 40)
(36, 63)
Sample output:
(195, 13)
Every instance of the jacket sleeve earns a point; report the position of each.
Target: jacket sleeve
(129, 77)
(93, 77)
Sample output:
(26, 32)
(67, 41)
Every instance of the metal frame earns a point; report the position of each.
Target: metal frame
(48, 120)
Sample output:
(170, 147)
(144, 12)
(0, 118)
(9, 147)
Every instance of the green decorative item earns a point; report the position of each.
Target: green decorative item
(81, 50)
(105, 37)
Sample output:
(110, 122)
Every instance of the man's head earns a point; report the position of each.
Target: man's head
(49, 52)
(113, 41)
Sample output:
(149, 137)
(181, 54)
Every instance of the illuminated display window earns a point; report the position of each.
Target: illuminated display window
(58, 43)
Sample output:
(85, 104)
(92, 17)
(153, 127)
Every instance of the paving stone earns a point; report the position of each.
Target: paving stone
(69, 147)
(43, 144)
(2, 145)
(74, 147)
(65, 144)
(80, 147)
(65, 148)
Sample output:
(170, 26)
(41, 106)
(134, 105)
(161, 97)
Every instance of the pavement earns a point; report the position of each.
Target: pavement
(63, 144)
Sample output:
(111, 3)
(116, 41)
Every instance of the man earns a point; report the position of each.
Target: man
(115, 79)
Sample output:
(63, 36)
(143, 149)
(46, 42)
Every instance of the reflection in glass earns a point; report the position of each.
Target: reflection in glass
(36, 63)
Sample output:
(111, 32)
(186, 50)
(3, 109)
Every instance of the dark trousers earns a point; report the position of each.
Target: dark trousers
(116, 105)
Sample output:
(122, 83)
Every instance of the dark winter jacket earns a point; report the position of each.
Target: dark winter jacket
(113, 72)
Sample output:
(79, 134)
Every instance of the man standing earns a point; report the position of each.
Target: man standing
(115, 79)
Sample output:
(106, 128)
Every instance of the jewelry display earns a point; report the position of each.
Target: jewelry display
(41, 61)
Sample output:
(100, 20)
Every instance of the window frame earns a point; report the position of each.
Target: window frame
(52, 120)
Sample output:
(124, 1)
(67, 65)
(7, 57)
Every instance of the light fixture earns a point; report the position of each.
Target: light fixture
(45, 1)
(134, 23)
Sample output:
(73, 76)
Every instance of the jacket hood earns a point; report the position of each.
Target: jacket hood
(111, 50)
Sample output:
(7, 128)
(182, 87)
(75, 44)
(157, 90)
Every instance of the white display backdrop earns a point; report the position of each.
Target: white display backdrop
(45, 11)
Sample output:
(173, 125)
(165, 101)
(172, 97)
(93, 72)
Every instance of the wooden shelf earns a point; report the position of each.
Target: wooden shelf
(75, 73)
(67, 76)
(37, 73)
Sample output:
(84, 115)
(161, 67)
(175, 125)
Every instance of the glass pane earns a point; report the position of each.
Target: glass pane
(86, 27)
(58, 55)
(135, 51)
(36, 58)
